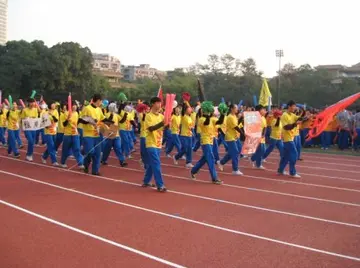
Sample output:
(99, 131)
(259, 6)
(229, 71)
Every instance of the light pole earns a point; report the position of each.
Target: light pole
(279, 54)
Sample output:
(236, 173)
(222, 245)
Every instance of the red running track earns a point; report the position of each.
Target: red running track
(196, 224)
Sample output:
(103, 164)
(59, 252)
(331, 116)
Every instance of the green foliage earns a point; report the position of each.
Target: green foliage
(52, 72)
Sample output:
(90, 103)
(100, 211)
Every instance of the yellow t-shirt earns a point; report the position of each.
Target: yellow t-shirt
(287, 119)
(237, 133)
(207, 132)
(62, 119)
(126, 125)
(96, 114)
(153, 138)
(231, 123)
(71, 127)
(198, 129)
(51, 130)
(3, 118)
(193, 116)
(276, 131)
(131, 117)
(175, 124)
(115, 118)
(29, 113)
(80, 125)
(142, 125)
(263, 125)
(13, 120)
(186, 126)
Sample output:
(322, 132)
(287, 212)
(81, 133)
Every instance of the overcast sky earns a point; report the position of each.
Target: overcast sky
(172, 33)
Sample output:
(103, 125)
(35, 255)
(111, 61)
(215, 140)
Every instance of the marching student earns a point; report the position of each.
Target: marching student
(175, 130)
(197, 130)
(257, 157)
(3, 122)
(50, 135)
(231, 137)
(32, 111)
(41, 132)
(13, 116)
(186, 132)
(60, 130)
(142, 109)
(114, 141)
(275, 135)
(71, 138)
(289, 121)
(154, 124)
(207, 123)
(300, 113)
(125, 127)
(91, 119)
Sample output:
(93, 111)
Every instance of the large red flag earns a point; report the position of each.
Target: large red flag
(323, 119)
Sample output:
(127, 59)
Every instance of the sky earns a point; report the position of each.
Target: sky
(172, 33)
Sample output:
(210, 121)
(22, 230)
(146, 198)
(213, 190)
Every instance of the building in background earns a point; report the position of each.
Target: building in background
(338, 71)
(109, 67)
(131, 72)
(3, 21)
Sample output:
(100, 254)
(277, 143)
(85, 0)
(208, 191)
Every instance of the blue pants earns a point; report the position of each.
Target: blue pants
(143, 151)
(274, 143)
(50, 148)
(357, 140)
(344, 137)
(39, 133)
(92, 152)
(81, 133)
(133, 136)
(289, 157)
(258, 156)
(59, 140)
(326, 139)
(166, 135)
(207, 158)
(116, 145)
(186, 149)
(11, 141)
(215, 150)
(239, 145)
(221, 140)
(267, 134)
(125, 143)
(71, 146)
(233, 154)
(197, 142)
(30, 136)
(297, 140)
(153, 167)
(173, 141)
(17, 137)
(2, 135)
(303, 133)
(130, 139)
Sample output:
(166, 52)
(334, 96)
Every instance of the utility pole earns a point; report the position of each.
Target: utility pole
(279, 54)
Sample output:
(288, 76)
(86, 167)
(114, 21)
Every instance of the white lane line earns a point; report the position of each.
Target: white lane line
(133, 250)
(207, 224)
(198, 197)
(203, 181)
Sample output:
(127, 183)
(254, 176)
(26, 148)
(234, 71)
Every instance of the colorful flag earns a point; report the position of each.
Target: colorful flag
(265, 94)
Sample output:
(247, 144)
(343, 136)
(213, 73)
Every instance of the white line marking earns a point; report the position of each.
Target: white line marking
(193, 196)
(198, 223)
(144, 254)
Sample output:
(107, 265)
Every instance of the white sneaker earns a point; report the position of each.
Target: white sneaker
(261, 167)
(43, 160)
(82, 167)
(283, 174)
(189, 165)
(218, 162)
(55, 164)
(264, 161)
(296, 176)
(168, 156)
(29, 158)
(130, 157)
(184, 157)
(238, 172)
(221, 167)
(175, 161)
(64, 166)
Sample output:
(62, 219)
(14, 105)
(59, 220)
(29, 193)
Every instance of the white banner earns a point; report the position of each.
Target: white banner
(36, 123)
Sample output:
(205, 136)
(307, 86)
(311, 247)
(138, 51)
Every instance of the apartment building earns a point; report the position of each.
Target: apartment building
(131, 72)
(109, 67)
(338, 70)
(3, 21)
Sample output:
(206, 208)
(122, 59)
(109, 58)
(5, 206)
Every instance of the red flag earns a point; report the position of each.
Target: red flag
(69, 104)
(323, 119)
(160, 94)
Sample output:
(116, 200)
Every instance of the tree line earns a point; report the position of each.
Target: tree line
(67, 67)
